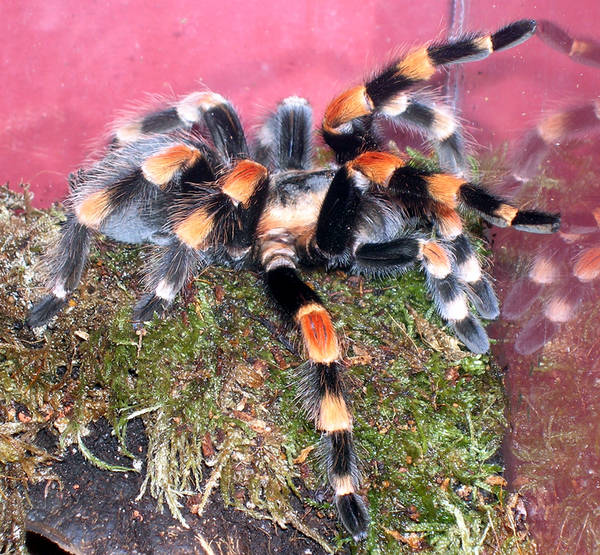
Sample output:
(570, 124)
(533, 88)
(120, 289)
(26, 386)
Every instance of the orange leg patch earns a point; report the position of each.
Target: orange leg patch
(351, 104)
(506, 212)
(333, 414)
(160, 168)
(93, 209)
(377, 167)
(444, 188)
(241, 182)
(438, 262)
(318, 332)
(416, 65)
(448, 221)
(194, 229)
(343, 485)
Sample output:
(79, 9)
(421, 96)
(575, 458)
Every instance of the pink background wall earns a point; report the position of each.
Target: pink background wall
(68, 66)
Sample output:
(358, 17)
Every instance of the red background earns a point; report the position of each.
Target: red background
(68, 66)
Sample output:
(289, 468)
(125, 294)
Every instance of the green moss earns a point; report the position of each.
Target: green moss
(213, 384)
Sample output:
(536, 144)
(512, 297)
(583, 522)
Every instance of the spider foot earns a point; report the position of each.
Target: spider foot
(353, 514)
(44, 310)
(471, 333)
(483, 297)
(145, 309)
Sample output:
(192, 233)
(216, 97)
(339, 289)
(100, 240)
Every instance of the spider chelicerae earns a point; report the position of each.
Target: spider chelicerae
(184, 180)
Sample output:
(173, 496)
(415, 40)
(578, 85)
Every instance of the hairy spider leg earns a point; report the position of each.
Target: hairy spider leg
(395, 256)
(65, 266)
(499, 212)
(468, 270)
(180, 163)
(203, 220)
(167, 272)
(225, 213)
(208, 111)
(348, 122)
(434, 120)
(285, 140)
(445, 282)
(112, 197)
(322, 393)
(125, 196)
(421, 194)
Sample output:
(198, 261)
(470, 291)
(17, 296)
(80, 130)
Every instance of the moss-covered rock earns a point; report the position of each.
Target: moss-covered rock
(213, 384)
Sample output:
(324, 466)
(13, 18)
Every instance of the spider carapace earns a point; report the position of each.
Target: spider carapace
(184, 180)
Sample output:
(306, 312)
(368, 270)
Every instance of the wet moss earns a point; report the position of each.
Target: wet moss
(214, 386)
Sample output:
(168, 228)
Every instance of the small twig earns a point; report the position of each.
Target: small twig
(273, 331)
(220, 463)
(205, 545)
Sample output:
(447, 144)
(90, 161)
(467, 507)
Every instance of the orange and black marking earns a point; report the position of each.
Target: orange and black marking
(342, 469)
(241, 183)
(92, 209)
(207, 214)
(318, 333)
(195, 228)
(160, 121)
(323, 398)
(218, 116)
(351, 104)
(92, 206)
(500, 213)
(478, 198)
(347, 127)
(333, 413)
(436, 259)
(377, 167)
(163, 166)
(447, 221)
(444, 188)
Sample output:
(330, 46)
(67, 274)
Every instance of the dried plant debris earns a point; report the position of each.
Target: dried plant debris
(213, 386)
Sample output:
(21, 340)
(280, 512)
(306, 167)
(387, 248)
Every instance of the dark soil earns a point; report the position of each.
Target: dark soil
(93, 511)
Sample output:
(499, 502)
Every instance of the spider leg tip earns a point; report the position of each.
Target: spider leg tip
(472, 334)
(353, 514)
(44, 310)
(145, 309)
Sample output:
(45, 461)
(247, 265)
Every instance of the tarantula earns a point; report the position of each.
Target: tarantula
(184, 179)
